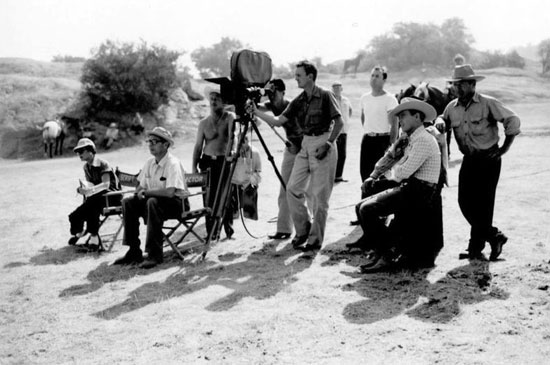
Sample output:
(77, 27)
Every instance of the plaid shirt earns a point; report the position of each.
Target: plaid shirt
(416, 156)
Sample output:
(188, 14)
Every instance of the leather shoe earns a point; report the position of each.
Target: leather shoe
(73, 240)
(354, 223)
(149, 263)
(279, 236)
(472, 256)
(131, 257)
(496, 245)
(298, 241)
(381, 265)
(315, 246)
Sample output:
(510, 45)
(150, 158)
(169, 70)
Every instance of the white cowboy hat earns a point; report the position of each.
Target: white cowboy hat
(415, 104)
(162, 133)
(84, 142)
(465, 72)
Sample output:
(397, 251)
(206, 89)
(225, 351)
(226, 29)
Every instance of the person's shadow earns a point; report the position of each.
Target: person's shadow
(60, 256)
(389, 294)
(264, 273)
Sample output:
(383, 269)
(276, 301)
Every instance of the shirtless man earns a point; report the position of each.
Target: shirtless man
(213, 136)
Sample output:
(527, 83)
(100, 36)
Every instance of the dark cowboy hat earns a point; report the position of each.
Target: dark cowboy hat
(415, 104)
(465, 72)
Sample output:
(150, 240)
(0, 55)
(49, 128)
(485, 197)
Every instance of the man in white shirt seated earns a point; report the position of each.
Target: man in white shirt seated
(159, 196)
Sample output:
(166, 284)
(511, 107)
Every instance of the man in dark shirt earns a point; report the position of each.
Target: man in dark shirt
(474, 118)
(318, 115)
(277, 104)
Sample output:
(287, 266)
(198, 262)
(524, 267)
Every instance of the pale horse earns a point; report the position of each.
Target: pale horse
(53, 133)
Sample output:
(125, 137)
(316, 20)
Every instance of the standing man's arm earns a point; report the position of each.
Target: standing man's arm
(323, 150)
(197, 150)
(394, 128)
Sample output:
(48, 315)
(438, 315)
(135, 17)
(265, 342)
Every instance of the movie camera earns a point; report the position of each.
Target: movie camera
(250, 73)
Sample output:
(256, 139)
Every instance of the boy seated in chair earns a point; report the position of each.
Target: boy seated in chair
(159, 196)
(100, 178)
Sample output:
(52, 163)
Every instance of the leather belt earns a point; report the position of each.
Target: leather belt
(377, 134)
(315, 133)
(213, 158)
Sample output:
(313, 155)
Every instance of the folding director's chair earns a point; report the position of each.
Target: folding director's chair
(190, 218)
(129, 183)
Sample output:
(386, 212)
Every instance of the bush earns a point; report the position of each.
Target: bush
(128, 78)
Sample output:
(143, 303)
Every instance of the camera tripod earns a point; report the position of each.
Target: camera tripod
(223, 191)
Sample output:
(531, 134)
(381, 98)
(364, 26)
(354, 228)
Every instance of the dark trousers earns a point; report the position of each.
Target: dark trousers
(341, 143)
(88, 212)
(417, 228)
(154, 212)
(477, 185)
(372, 149)
(216, 179)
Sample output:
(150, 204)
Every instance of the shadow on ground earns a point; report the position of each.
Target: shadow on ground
(264, 273)
(389, 294)
(61, 256)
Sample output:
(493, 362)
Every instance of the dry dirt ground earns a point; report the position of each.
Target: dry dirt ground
(259, 301)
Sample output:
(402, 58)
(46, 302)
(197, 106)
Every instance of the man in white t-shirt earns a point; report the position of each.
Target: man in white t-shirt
(379, 128)
(341, 141)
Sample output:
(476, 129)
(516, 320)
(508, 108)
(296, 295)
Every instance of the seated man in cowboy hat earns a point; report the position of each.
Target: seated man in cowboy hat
(474, 118)
(415, 164)
(100, 178)
(159, 196)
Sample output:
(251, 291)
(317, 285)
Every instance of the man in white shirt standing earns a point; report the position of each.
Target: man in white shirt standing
(341, 141)
(379, 128)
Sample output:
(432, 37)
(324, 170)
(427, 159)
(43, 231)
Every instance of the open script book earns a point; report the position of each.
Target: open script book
(91, 189)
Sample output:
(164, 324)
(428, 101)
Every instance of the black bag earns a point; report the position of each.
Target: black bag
(249, 68)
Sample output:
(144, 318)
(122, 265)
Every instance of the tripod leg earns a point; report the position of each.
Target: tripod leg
(269, 155)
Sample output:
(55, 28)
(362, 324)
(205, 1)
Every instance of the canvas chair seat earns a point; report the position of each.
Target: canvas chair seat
(198, 185)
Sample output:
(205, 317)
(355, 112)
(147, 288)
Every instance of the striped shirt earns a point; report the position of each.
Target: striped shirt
(415, 156)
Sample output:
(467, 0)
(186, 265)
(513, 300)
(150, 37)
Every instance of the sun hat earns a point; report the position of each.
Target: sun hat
(337, 83)
(415, 104)
(162, 133)
(112, 125)
(84, 142)
(464, 72)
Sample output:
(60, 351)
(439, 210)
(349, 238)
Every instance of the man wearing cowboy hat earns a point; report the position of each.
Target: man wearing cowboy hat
(158, 197)
(213, 143)
(100, 179)
(474, 118)
(415, 164)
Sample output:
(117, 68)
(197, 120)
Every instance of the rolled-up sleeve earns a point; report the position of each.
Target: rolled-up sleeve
(506, 116)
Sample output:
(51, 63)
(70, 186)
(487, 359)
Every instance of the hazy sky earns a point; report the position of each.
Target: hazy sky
(292, 30)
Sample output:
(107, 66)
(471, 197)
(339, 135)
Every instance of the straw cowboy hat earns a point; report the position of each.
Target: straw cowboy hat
(84, 142)
(415, 104)
(465, 72)
(162, 133)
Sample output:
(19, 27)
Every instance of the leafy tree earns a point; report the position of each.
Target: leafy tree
(411, 44)
(127, 78)
(457, 39)
(214, 61)
(544, 53)
(513, 59)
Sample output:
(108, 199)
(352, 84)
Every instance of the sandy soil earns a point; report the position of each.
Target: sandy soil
(259, 301)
